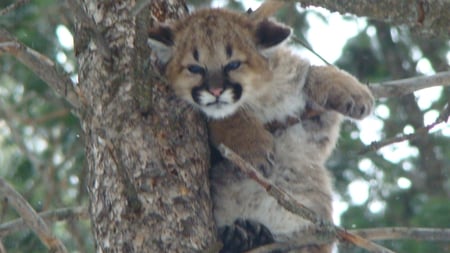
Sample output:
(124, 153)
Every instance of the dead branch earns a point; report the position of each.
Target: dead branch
(406, 86)
(311, 235)
(7, 114)
(374, 146)
(424, 17)
(41, 65)
(391, 233)
(292, 205)
(31, 218)
(72, 213)
(13, 6)
(388, 233)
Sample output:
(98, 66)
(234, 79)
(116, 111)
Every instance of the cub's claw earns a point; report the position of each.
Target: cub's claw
(243, 236)
(356, 103)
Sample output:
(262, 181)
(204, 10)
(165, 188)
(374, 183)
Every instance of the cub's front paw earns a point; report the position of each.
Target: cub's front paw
(244, 235)
(353, 100)
(337, 90)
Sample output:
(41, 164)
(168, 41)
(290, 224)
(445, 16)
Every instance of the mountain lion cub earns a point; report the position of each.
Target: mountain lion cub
(268, 105)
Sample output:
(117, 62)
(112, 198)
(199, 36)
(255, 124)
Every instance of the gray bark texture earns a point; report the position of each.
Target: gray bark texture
(428, 18)
(147, 155)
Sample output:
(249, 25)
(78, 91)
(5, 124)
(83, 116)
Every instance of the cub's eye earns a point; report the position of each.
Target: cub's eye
(232, 66)
(196, 69)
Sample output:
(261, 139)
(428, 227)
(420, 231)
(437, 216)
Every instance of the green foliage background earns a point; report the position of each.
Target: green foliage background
(41, 143)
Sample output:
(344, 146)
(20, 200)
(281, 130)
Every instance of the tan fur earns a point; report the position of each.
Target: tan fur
(200, 32)
(277, 86)
(245, 133)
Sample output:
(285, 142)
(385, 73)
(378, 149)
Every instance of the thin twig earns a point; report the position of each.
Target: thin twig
(304, 44)
(47, 117)
(31, 218)
(292, 205)
(70, 213)
(374, 146)
(41, 65)
(7, 114)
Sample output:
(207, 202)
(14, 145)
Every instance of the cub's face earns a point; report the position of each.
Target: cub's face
(214, 60)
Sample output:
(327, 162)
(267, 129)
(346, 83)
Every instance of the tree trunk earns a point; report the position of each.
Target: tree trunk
(147, 155)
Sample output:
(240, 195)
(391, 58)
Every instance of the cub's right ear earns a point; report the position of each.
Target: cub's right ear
(270, 33)
(160, 40)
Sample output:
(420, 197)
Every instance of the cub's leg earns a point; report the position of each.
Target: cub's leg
(337, 90)
(246, 136)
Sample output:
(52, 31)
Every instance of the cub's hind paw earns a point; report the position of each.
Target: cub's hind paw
(243, 236)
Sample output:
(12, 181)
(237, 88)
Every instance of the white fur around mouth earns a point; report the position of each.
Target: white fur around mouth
(219, 110)
(220, 107)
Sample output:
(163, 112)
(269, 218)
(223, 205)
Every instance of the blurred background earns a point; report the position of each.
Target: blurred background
(402, 184)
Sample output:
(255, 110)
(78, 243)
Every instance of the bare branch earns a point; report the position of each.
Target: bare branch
(13, 6)
(425, 17)
(72, 213)
(31, 218)
(374, 146)
(388, 233)
(311, 235)
(6, 114)
(292, 205)
(428, 234)
(402, 87)
(41, 65)
(2, 248)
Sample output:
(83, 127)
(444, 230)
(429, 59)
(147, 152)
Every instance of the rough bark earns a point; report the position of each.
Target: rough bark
(430, 18)
(147, 155)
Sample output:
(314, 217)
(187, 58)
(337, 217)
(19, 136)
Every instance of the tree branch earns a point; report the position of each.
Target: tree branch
(443, 117)
(72, 213)
(7, 114)
(406, 86)
(429, 18)
(41, 65)
(390, 233)
(31, 218)
(292, 205)
(13, 6)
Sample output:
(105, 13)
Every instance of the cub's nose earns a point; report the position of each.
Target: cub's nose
(215, 91)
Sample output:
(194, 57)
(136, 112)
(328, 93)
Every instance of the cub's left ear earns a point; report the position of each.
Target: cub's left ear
(270, 33)
(160, 40)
